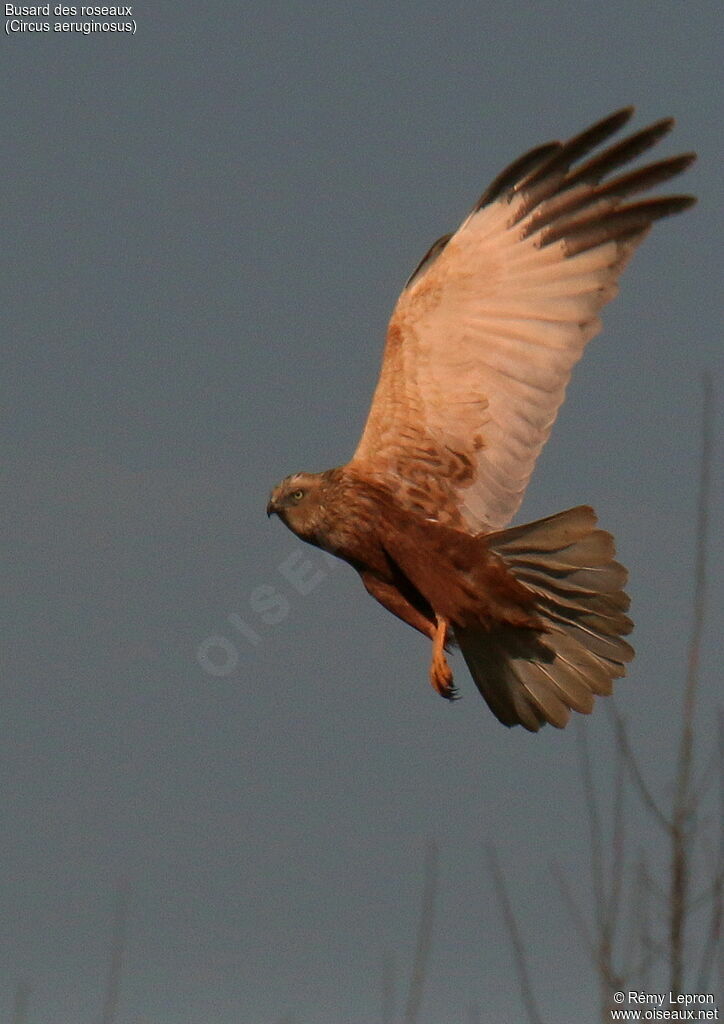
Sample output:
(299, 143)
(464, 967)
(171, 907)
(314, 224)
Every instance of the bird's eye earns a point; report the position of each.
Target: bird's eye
(297, 495)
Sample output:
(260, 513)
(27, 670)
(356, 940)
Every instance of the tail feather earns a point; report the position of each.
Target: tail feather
(531, 677)
(550, 701)
(554, 533)
(579, 580)
(570, 686)
(584, 602)
(574, 657)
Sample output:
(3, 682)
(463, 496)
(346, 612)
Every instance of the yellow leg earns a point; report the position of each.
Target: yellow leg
(441, 675)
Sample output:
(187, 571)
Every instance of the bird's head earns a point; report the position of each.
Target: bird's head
(299, 502)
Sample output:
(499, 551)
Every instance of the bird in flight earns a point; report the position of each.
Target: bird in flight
(479, 352)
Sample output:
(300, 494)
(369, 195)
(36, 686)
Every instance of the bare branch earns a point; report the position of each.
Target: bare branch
(702, 535)
(683, 809)
(643, 923)
(594, 822)
(117, 953)
(631, 938)
(714, 932)
(705, 897)
(20, 1007)
(634, 770)
(388, 988)
(646, 938)
(605, 907)
(708, 776)
(575, 911)
(617, 849)
(521, 961)
(424, 936)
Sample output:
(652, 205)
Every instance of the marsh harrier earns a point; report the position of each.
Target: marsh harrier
(479, 352)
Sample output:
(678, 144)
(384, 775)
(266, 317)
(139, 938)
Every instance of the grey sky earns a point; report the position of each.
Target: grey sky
(204, 229)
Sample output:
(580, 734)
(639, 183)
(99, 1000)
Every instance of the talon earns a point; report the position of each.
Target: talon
(441, 675)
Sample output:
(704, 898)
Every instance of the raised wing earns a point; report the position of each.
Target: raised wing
(483, 339)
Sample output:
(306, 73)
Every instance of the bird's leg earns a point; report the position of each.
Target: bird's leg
(441, 675)
(394, 601)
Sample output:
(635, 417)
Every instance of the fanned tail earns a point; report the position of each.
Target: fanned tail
(531, 677)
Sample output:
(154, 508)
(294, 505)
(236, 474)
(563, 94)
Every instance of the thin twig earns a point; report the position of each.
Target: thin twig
(651, 950)
(424, 936)
(117, 953)
(683, 809)
(642, 924)
(388, 988)
(631, 935)
(708, 776)
(716, 920)
(575, 911)
(617, 850)
(521, 960)
(634, 770)
(594, 822)
(702, 532)
(22, 998)
(705, 896)
(605, 907)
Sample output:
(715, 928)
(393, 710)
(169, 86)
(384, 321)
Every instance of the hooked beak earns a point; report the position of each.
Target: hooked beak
(270, 507)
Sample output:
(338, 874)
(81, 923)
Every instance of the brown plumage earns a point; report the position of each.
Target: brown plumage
(479, 351)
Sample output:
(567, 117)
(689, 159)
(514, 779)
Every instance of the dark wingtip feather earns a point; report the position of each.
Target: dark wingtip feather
(516, 172)
(571, 203)
(669, 167)
(625, 113)
(681, 203)
(687, 159)
(619, 225)
(560, 194)
(620, 153)
(581, 144)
